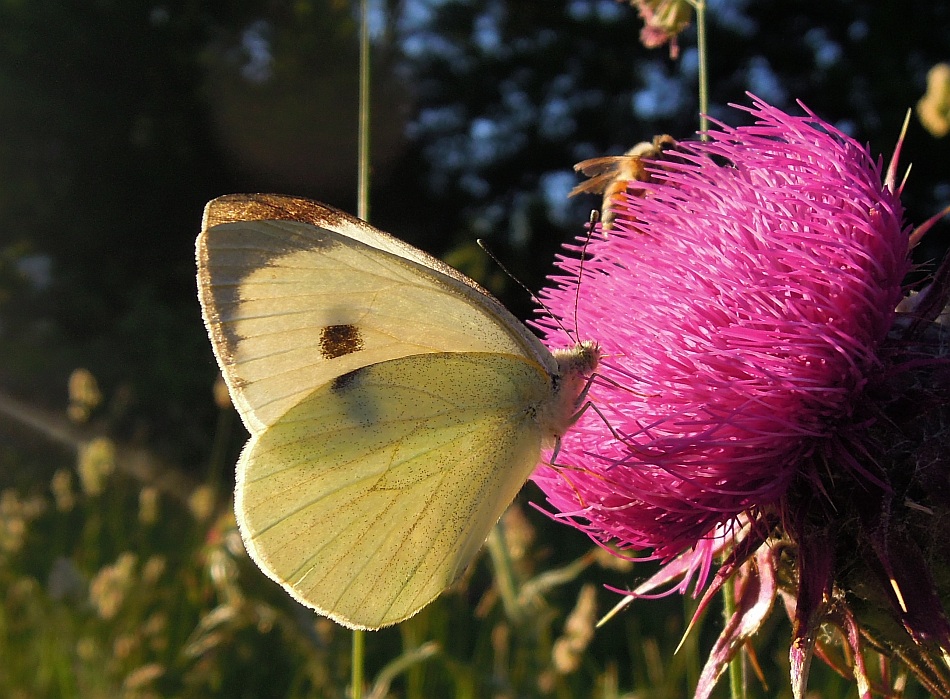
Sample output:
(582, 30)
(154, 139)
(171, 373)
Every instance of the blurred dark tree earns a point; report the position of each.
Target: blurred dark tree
(120, 118)
(105, 158)
(546, 86)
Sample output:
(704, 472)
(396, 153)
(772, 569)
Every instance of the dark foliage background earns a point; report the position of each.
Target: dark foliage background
(120, 119)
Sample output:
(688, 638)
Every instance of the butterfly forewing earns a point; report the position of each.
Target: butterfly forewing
(290, 306)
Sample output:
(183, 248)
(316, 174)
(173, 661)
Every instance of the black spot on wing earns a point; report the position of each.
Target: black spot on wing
(356, 402)
(339, 340)
(342, 383)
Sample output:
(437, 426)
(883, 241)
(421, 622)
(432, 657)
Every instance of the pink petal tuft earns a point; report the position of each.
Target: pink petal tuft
(740, 303)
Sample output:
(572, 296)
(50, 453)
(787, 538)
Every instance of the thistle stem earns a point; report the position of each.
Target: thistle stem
(736, 689)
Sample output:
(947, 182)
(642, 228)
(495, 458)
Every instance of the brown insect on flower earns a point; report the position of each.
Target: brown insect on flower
(613, 175)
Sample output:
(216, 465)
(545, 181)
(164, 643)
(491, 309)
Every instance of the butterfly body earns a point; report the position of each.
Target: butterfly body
(395, 407)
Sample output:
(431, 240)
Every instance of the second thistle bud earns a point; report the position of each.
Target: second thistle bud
(663, 20)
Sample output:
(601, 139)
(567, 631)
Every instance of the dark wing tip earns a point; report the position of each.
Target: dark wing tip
(266, 207)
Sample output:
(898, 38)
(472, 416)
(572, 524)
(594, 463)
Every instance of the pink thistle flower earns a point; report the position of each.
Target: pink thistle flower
(744, 300)
(739, 306)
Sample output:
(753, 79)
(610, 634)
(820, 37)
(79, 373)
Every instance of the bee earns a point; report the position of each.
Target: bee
(612, 175)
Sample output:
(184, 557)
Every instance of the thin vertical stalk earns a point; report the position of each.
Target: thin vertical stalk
(362, 210)
(362, 185)
(504, 571)
(703, 78)
(357, 672)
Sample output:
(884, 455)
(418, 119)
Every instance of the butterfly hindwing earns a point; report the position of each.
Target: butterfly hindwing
(371, 495)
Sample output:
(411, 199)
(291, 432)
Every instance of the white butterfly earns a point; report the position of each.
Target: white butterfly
(395, 407)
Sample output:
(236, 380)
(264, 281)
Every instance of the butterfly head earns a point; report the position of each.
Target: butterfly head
(581, 360)
(575, 367)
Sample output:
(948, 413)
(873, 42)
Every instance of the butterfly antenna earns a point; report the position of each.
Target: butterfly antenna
(534, 297)
(594, 218)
